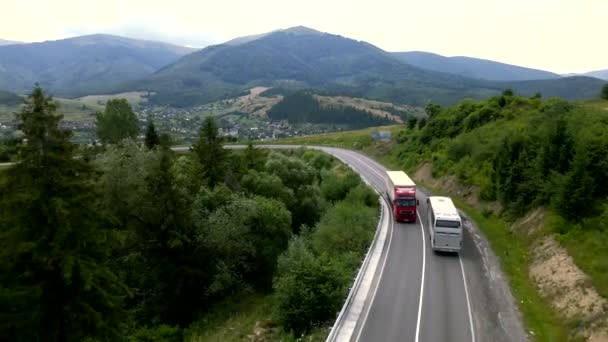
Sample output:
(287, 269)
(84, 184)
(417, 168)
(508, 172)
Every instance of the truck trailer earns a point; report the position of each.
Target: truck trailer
(401, 191)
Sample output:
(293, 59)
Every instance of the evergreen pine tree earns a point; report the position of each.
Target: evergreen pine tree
(211, 153)
(55, 283)
(152, 138)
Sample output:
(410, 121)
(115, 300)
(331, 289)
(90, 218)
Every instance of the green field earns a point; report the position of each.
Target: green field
(358, 139)
(77, 110)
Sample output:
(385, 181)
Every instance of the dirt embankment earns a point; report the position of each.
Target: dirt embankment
(569, 290)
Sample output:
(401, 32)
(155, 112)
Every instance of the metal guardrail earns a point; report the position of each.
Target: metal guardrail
(338, 331)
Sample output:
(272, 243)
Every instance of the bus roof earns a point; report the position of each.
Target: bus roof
(399, 178)
(444, 208)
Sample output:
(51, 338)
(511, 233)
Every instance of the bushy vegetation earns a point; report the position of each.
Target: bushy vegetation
(316, 271)
(522, 152)
(134, 242)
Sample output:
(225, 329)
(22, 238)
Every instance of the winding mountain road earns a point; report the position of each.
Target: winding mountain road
(413, 294)
(418, 295)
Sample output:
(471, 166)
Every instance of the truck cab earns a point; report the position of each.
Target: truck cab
(404, 205)
(401, 191)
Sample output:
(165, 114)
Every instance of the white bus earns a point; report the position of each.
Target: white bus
(445, 225)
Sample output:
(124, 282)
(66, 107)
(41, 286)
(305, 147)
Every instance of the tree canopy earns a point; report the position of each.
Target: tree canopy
(117, 122)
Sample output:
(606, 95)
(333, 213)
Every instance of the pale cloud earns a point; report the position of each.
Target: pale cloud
(152, 28)
(556, 35)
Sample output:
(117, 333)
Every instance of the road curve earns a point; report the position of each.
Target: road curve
(401, 306)
(417, 295)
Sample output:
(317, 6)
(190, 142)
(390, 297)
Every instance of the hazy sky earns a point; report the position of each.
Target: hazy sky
(555, 35)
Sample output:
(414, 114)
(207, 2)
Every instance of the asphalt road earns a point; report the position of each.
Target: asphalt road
(420, 295)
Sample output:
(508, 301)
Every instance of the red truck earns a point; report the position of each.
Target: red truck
(402, 194)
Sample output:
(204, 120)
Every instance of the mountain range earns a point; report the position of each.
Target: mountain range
(473, 67)
(603, 74)
(295, 58)
(82, 65)
(304, 58)
(8, 42)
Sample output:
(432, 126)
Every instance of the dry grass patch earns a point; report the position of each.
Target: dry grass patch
(531, 223)
(254, 104)
(134, 98)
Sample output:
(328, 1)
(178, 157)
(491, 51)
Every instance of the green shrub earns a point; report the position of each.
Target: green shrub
(318, 160)
(335, 187)
(362, 194)
(347, 227)
(308, 290)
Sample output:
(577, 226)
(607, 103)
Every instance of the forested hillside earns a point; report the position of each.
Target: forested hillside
(302, 107)
(132, 242)
(523, 152)
(538, 172)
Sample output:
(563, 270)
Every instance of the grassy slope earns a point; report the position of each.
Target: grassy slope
(351, 139)
(76, 110)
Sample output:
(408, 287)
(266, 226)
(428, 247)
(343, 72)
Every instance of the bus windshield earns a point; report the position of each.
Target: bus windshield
(401, 202)
(447, 224)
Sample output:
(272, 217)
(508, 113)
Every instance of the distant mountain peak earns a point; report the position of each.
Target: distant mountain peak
(296, 31)
(301, 30)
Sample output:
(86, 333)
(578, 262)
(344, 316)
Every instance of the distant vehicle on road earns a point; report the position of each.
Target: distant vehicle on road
(401, 191)
(445, 225)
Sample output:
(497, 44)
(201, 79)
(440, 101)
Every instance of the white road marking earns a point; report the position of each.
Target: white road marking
(466, 292)
(419, 318)
(356, 156)
(422, 281)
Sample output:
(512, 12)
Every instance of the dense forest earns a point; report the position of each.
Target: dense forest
(132, 241)
(526, 153)
(302, 107)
